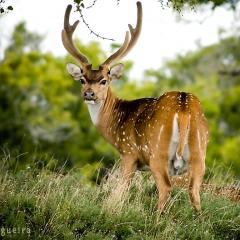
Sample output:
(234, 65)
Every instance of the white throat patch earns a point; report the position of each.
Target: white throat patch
(94, 110)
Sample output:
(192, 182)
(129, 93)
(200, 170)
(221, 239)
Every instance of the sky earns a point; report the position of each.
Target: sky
(161, 39)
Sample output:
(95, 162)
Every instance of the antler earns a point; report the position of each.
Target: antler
(135, 32)
(126, 47)
(67, 33)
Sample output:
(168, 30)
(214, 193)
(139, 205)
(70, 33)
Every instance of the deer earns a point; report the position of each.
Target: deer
(169, 134)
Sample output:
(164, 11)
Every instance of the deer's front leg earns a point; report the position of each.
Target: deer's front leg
(119, 193)
(129, 166)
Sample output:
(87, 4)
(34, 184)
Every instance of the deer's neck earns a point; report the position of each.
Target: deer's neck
(102, 110)
(103, 115)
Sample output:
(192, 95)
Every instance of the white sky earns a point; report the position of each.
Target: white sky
(162, 36)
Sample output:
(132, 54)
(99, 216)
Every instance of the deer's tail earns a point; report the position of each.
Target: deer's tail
(183, 127)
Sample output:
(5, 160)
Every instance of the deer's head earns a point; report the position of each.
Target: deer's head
(94, 82)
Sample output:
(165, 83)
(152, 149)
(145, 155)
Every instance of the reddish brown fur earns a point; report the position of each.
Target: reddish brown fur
(144, 131)
(133, 127)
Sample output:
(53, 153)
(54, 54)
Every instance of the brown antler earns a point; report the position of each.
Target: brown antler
(67, 33)
(115, 56)
(126, 47)
(135, 32)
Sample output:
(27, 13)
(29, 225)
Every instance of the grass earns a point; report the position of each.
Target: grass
(56, 206)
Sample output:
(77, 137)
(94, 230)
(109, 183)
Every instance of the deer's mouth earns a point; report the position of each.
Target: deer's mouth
(91, 101)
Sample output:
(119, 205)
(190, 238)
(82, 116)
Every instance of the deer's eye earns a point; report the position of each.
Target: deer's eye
(103, 82)
(82, 81)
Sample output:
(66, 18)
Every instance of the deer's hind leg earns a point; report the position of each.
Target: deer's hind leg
(197, 150)
(159, 168)
(163, 183)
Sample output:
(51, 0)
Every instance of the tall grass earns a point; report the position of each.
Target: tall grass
(56, 206)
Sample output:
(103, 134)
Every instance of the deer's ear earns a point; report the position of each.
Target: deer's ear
(74, 71)
(116, 71)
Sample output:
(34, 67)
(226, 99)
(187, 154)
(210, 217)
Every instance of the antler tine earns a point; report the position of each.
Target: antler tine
(128, 45)
(135, 32)
(67, 33)
(119, 52)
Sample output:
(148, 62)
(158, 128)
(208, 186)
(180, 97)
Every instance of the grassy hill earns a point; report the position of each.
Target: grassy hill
(46, 205)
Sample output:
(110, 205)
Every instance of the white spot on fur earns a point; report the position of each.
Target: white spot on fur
(199, 143)
(160, 133)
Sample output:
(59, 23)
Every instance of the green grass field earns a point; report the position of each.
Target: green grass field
(56, 206)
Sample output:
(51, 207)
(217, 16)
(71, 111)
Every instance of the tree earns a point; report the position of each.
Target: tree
(44, 120)
(180, 4)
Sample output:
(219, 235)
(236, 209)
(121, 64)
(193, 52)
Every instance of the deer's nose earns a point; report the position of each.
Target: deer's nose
(89, 95)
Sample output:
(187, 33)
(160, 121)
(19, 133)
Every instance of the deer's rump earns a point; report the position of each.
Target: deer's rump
(165, 128)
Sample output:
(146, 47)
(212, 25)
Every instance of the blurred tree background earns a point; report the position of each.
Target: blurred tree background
(44, 122)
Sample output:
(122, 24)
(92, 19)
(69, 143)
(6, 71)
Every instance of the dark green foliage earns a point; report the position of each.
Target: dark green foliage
(41, 109)
(44, 122)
